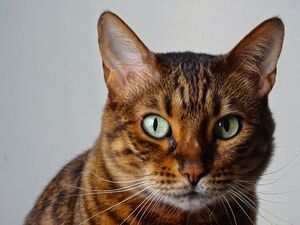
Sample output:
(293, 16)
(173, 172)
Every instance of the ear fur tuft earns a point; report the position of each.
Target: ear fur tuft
(259, 52)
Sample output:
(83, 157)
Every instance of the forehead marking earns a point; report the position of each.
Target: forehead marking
(206, 85)
(168, 105)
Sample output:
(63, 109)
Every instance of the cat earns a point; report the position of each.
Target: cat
(185, 136)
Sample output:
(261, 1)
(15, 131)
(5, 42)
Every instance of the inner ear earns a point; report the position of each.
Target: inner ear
(259, 51)
(126, 60)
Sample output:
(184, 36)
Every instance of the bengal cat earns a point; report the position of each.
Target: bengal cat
(185, 136)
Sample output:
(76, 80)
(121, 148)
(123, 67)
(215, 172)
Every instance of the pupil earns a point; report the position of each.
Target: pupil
(226, 125)
(155, 124)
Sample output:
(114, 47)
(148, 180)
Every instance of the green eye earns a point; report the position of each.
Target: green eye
(227, 127)
(155, 126)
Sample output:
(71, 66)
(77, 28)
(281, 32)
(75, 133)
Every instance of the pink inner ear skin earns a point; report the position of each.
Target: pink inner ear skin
(124, 55)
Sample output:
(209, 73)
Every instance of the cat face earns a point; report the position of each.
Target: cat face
(192, 127)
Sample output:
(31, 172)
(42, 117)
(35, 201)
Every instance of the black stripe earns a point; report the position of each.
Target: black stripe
(217, 104)
(205, 88)
(168, 105)
(145, 145)
(113, 216)
(192, 107)
(116, 218)
(176, 81)
(172, 145)
(208, 149)
(111, 136)
(112, 186)
(58, 205)
(88, 212)
(76, 172)
(108, 176)
(127, 151)
(153, 102)
(96, 202)
(181, 91)
(122, 126)
(151, 217)
(203, 128)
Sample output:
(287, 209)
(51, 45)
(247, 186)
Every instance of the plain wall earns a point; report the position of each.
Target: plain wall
(52, 91)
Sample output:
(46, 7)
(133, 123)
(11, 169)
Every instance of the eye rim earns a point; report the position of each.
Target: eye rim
(240, 125)
(167, 135)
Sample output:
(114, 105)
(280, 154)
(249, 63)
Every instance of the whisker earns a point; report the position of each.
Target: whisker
(274, 180)
(157, 201)
(117, 189)
(169, 207)
(279, 178)
(107, 191)
(222, 202)
(266, 211)
(242, 209)
(241, 187)
(264, 192)
(156, 195)
(251, 207)
(116, 182)
(188, 219)
(230, 208)
(145, 200)
(111, 207)
(284, 166)
(211, 215)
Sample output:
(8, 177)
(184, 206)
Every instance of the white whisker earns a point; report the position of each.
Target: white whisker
(110, 190)
(230, 209)
(152, 200)
(242, 209)
(245, 197)
(111, 207)
(250, 206)
(284, 166)
(226, 211)
(145, 200)
(116, 182)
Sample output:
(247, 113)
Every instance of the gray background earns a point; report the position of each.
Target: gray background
(52, 91)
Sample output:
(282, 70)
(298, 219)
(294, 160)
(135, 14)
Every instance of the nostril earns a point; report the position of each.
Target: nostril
(187, 176)
(193, 173)
(194, 181)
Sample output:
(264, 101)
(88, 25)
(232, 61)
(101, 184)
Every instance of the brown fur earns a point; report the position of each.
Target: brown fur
(192, 92)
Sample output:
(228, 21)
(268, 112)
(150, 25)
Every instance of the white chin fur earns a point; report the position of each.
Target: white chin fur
(187, 203)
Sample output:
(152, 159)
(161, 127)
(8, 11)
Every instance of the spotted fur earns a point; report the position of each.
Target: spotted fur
(128, 177)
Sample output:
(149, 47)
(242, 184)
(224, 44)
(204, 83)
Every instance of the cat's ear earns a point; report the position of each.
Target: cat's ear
(258, 53)
(126, 60)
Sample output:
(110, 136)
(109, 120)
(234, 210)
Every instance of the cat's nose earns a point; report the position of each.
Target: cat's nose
(193, 173)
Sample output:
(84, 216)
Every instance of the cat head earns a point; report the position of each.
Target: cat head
(192, 127)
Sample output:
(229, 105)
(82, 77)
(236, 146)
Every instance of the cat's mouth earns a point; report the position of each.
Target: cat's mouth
(189, 200)
(192, 193)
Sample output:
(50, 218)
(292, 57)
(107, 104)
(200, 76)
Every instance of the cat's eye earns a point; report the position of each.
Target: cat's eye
(227, 127)
(155, 126)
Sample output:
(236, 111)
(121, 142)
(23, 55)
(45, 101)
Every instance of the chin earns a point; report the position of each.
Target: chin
(190, 201)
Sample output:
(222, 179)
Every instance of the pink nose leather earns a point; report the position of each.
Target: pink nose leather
(193, 173)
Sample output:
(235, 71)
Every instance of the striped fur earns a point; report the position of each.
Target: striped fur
(129, 178)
